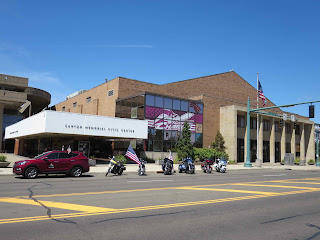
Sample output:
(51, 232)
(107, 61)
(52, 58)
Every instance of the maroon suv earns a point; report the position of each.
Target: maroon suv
(73, 164)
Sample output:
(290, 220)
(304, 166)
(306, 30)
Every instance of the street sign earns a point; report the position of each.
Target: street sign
(284, 117)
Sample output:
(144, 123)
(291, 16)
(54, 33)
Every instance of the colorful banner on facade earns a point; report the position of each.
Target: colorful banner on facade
(167, 119)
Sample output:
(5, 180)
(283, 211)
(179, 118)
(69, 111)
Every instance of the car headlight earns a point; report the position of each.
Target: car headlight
(22, 163)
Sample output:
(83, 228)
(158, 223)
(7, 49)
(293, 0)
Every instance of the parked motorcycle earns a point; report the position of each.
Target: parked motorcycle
(142, 167)
(206, 165)
(115, 167)
(187, 166)
(167, 166)
(220, 165)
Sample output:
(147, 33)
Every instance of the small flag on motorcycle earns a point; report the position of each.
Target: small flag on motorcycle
(132, 155)
(170, 156)
(62, 149)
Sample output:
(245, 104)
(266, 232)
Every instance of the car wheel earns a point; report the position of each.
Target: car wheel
(31, 172)
(76, 171)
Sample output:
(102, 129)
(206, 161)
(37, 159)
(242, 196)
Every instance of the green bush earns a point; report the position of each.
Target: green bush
(232, 162)
(205, 153)
(3, 158)
(120, 158)
(311, 161)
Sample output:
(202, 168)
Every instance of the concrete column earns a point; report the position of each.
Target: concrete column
(302, 143)
(311, 146)
(260, 154)
(283, 141)
(272, 142)
(1, 124)
(293, 141)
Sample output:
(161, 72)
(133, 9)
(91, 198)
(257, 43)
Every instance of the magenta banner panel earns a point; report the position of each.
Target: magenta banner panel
(168, 119)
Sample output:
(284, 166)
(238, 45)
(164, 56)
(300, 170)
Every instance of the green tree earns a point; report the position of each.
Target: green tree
(218, 144)
(184, 146)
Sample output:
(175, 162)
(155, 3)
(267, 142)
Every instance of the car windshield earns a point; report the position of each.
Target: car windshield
(41, 155)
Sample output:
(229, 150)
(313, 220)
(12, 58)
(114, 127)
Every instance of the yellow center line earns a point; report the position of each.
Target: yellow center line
(49, 204)
(302, 182)
(155, 207)
(227, 190)
(124, 210)
(158, 189)
(92, 210)
(276, 186)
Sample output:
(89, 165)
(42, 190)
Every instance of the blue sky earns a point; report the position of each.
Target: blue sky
(64, 46)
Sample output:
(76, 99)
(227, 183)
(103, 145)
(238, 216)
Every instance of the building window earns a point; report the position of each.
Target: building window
(110, 93)
(176, 104)
(184, 106)
(241, 121)
(159, 102)
(63, 109)
(277, 126)
(168, 103)
(253, 123)
(74, 104)
(150, 100)
(288, 128)
(266, 125)
(88, 99)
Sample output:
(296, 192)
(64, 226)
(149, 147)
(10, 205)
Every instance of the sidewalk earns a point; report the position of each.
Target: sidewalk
(151, 167)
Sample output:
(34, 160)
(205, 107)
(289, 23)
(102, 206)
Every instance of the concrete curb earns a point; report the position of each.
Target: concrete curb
(151, 167)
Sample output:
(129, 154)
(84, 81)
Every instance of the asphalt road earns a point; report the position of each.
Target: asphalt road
(244, 204)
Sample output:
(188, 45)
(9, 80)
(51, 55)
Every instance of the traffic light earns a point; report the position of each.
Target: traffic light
(281, 122)
(311, 111)
(295, 124)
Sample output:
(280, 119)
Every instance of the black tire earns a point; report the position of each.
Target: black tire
(120, 172)
(31, 172)
(76, 171)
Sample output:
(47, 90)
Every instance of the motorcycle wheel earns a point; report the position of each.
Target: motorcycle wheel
(120, 172)
(222, 170)
(209, 170)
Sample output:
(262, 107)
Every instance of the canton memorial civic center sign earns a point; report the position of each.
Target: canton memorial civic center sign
(66, 123)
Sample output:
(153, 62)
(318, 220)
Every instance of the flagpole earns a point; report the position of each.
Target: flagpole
(257, 159)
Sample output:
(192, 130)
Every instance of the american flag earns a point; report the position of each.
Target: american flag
(195, 107)
(69, 149)
(261, 95)
(170, 156)
(62, 149)
(132, 155)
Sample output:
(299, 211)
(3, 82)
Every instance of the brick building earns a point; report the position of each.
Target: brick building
(209, 104)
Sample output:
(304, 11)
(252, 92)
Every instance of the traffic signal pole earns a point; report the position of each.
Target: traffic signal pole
(318, 163)
(249, 110)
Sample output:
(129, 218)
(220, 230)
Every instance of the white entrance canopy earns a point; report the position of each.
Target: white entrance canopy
(54, 123)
